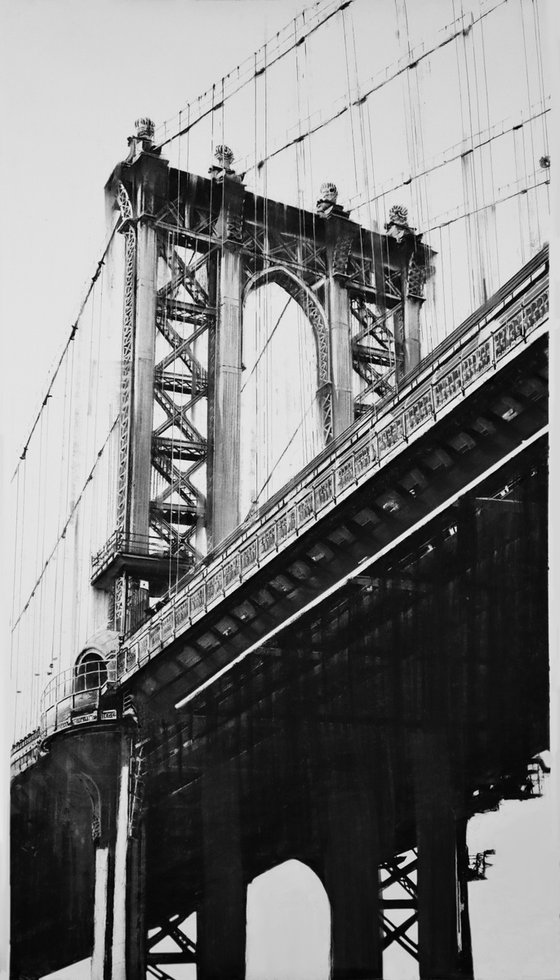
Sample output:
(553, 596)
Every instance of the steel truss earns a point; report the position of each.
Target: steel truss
(185, 951)
(310, 259)
(184, 315)
(376, 354)
(399, 871)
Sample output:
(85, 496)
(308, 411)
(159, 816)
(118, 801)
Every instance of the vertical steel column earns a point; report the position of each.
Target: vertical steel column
(352, 884)
(143, 379)
(443, 934)
(340, 234)
(118, 928)
(407, 328)
(411, 339)
(139, 186)
(101, 918)
(413, 271)
(118, 945)
(221, 935)
(226, 383)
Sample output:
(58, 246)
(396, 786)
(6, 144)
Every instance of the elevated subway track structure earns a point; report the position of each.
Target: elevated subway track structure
(344, 675)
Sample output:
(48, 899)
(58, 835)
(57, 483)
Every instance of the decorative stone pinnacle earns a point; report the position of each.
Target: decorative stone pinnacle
(145, 128)
(326, 205)
(328, 192)
(398, 215)
(224, 156)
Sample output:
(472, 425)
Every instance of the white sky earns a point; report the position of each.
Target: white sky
(75, 75)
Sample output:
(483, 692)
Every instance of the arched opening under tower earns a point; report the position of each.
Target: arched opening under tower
(288, 925)
(281, 427)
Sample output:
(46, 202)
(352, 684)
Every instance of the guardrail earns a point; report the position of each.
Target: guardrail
(25, 751)
(72, 698)
(119, 543)
(438, 385)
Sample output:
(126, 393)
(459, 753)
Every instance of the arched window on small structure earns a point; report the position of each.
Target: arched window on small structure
(90, 671)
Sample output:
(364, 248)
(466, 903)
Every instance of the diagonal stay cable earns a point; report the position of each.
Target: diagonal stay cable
(71, 336)
(286, 447)
(271, 335)
(68, 520)
(212, 106)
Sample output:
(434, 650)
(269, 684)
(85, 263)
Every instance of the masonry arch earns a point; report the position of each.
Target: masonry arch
(288, 924)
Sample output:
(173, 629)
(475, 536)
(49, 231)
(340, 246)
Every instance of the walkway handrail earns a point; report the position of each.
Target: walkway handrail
(131, 544)
(72, 697)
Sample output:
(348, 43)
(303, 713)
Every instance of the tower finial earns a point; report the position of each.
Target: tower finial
(326, 205)
(398, 215)
(397, 225)
(145, 128)
(223, 167)
(143, 139)
(224, 156)
(328, 192)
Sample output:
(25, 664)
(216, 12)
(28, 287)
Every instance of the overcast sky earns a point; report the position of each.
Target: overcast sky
(76, 75)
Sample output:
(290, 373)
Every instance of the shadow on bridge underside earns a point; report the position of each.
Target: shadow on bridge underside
(434, 662)
(404, 688)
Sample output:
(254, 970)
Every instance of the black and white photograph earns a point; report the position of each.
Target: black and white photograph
(281, 689)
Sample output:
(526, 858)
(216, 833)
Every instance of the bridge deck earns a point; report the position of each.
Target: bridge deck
(470, 403)
(473, 400)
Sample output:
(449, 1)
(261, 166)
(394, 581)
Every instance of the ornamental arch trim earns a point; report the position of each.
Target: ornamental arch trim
(315, 313)
(307, 301)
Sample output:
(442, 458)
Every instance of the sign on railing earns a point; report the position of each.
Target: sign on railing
(72, 698)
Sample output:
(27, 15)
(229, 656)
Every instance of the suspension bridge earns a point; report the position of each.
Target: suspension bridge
(284, 593)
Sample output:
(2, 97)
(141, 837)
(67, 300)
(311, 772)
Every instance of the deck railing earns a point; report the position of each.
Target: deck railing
(73, 698)
(145, 545)
(457, 367)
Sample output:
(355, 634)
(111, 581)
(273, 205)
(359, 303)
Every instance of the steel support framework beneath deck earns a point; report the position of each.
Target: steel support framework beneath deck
(384, 710)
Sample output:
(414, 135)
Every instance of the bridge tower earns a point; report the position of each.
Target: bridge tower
(194, 249)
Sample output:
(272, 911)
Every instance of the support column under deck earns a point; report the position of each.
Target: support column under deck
(101, 912)
(443, 931)
(221, 933)
(352, 884)
(118, 930)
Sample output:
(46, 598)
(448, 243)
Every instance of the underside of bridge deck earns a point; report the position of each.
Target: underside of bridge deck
(369, 686)
(416, 696)
(446, 638)
(488, 425)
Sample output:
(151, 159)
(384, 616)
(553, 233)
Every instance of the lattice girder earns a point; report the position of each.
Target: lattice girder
(185, 951)
(179, 372)
(399, 871)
